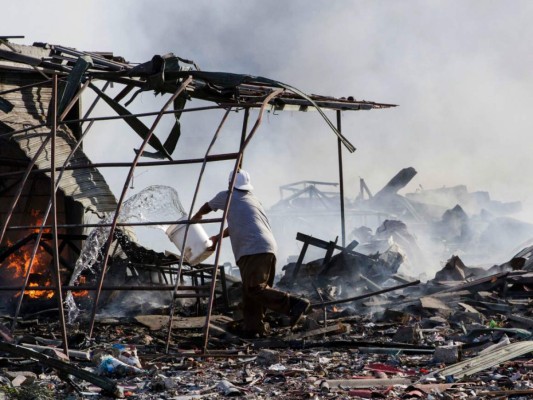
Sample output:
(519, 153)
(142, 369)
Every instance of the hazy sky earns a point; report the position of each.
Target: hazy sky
(459, 70)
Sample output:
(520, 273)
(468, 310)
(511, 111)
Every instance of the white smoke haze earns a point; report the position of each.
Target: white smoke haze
(459, 71)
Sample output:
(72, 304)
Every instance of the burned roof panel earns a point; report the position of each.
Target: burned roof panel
(163, 74)
(30, 108)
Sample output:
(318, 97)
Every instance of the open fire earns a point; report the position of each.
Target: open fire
(17, 265)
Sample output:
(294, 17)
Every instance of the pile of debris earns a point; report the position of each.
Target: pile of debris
(443, 221)
(465, 333)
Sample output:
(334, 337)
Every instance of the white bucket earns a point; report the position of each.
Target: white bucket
(197, 242)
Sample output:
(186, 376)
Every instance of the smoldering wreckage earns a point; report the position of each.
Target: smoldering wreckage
(155, 325)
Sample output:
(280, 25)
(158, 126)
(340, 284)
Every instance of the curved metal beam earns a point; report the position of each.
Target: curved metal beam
(107, 249)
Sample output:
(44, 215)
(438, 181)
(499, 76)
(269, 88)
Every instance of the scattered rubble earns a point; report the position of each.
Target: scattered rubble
(464, 333)
(372, 332)
(427, 225)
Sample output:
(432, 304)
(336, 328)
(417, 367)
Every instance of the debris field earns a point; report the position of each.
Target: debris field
(373, 331)
(466, 333)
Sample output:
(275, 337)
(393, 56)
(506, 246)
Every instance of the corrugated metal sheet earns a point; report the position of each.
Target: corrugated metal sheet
(87, 185)
(484, 361)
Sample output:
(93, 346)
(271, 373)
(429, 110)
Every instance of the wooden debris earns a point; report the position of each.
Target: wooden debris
(433, 302)
(367, 383)
(332, 329)
(157, 322)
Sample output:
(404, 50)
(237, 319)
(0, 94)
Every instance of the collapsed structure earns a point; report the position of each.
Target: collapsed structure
(396, 334)
(427, 225)
(44, 168)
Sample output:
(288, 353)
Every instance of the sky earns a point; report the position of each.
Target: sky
(459, 71)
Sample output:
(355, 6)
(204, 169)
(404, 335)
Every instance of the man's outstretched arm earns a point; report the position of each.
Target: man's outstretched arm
(205, 209)
(216, 238)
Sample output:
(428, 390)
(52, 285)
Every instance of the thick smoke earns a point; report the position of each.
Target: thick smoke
(458, 70)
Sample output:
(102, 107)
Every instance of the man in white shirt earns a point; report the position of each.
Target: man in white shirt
(254, 247)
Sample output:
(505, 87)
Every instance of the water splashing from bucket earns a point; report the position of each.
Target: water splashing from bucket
(155, 203)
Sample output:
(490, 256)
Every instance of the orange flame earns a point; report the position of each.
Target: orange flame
(82, 293)
(36, 294)
(18, 264)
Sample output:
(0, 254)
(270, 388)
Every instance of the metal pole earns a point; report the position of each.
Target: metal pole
(107, 249)
(267, 99)
(217, 254)
(21, 187)
(204, 221)
(214, 158)
(228, 202)
(178, 276)
(49, 208)
(244, 130)
(117, 117)
(341, 181)
(81, 288)
(59, 292)
(364, 296)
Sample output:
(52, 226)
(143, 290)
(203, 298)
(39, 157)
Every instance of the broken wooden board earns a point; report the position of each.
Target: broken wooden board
(433, 303)
(156, 322)
(333, 329)
(469, 308)
(367, 383)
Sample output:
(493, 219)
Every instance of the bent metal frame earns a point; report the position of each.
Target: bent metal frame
(69, 72)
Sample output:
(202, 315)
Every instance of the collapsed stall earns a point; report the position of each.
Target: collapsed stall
(44, 168)
(367, 336)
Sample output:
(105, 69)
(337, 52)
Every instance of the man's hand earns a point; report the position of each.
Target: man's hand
(196, 217)
(214, 239)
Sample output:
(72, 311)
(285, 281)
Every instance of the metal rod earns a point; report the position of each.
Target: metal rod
(74, 100)
(123, 195)
(218, 252)
(21, 187)
(205, 221)
(153, 113)
(226, 209)
(57, 271)
(272, 95)
(116, 117)
(23, 130)
(81, 288)
(45, 217)
(149, 114)
(90, 110)
(219, 157)
(20, 88)
(341, 180)
(364, 296)
(244, 127)
(178, 276)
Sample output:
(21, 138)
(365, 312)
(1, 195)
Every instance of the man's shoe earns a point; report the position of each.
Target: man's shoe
(239, 330)
(298, 308)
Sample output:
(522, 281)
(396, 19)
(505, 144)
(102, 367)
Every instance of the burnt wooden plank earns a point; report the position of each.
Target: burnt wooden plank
(156, 322)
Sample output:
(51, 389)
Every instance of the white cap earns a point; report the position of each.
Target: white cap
(242, 182)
